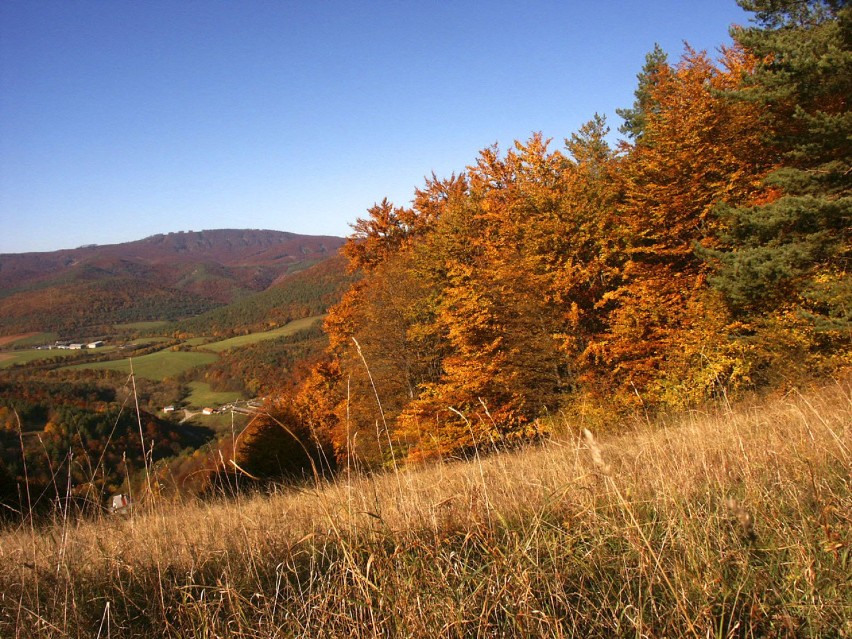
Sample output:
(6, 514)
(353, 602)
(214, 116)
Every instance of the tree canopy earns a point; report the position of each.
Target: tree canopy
(707, 254)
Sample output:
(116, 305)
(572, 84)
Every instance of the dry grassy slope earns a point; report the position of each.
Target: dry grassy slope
(731, 523)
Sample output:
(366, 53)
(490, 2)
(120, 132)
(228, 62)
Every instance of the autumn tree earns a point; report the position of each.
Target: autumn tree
(664, 331)
(278, 444)
(375, 335)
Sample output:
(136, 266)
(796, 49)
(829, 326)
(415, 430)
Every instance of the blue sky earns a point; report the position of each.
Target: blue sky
(121, 119)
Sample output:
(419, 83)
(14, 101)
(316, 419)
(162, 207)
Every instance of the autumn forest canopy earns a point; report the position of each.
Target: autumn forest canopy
(704, 256)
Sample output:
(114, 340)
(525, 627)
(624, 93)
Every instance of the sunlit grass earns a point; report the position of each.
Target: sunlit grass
(244, 340)
(28, 339)
(202, 395)
(158, 366)
(141, 326)
(727, 523)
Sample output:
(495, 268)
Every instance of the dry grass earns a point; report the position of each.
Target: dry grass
(732, 524)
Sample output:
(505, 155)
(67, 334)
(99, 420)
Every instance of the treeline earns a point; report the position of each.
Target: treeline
(707, 255)
(78, 437)
(302, 294)
(268, 365)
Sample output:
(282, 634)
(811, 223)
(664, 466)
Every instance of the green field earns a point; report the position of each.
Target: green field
(245, 340)
(35, 339)
(202, 396)
(223, 422)
(162, 364)
(147, 341)
(157, 365)
(11, 358)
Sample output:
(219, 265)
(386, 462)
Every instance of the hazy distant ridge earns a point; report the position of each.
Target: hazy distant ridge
(175, 274)
(229, 247)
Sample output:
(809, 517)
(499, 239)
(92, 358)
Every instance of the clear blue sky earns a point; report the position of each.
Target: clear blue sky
(122, 119)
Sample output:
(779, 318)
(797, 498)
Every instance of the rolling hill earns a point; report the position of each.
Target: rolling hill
(161, 277)
(305, 293)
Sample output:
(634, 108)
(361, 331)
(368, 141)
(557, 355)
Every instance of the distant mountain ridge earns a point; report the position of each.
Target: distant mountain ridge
(164, 276)
(226, 247)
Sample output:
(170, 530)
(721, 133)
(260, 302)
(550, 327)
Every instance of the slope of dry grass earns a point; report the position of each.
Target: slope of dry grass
(731, 524)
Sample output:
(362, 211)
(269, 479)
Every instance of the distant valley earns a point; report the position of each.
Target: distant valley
(208, 322)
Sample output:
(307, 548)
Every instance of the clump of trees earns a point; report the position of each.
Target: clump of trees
(80, 440)
(707, 254)
(303, 294)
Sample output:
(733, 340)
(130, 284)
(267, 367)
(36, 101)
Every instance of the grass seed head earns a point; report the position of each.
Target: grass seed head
(742, 516)
(597, 457)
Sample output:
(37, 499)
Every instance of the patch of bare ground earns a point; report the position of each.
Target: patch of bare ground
(11, 339)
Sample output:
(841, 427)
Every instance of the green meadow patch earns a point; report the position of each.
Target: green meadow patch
(140, 326)
(12, 358)
(197, 341)
(202, 395)
(148, 341)
(252, 338)
(158, 366)
(28, 339)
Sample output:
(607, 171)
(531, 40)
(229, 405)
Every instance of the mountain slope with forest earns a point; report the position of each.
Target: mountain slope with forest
(160, 277)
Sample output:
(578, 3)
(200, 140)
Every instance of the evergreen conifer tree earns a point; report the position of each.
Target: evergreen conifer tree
(792, 251)
(635, 118)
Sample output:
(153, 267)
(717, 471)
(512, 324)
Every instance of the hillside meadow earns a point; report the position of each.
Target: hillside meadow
(726, 522)
(27, 355)
(202, 395)
(252, 338)
(170, 363)
(159, 365)
(33, 338)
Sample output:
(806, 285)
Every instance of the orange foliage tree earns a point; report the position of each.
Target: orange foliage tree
(664, 336)
(541, 278)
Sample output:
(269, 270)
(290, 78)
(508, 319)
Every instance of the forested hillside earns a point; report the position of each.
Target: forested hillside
(62, 439)
(301, 294)
(163, 277)
(705, 256)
